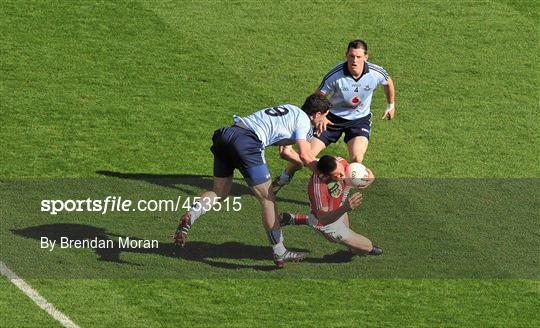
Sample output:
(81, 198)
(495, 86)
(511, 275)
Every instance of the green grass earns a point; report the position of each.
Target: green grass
(18, 310)
(142, 79)
(138, 87)
(299, 303)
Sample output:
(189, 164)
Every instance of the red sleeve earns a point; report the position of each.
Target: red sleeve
(343, 162)
(318, 193)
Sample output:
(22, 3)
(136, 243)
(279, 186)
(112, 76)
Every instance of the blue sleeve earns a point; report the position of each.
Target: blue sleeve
(303, 131)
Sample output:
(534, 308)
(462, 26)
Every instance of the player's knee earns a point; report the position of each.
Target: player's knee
(345, 233)
(338, 233)
(359, 158)
(264, 194)
(284, 154)
(267, 197)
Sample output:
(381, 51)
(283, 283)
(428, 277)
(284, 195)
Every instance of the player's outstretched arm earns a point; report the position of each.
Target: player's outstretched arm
(306, 156)
(326, 217)
(290, 155)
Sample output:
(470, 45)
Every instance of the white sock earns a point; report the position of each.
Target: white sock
(279, 249)
(312, 220)
(196, 211)
(275, 237)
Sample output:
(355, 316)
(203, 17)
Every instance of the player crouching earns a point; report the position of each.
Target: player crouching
(329, 207)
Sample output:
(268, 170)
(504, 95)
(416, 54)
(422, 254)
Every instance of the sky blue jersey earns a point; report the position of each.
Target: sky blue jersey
(278, 126)
(350, 97)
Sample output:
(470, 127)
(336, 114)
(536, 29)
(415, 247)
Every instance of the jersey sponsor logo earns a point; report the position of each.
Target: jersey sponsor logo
(367, 87)
(356, 102)
(334, 189)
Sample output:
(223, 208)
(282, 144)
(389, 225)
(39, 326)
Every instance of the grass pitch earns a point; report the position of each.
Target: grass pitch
(121, 98)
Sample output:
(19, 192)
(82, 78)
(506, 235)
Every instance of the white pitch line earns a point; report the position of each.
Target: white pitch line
(38, 299)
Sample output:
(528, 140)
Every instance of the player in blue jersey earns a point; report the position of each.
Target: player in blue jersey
(241, 146)
(350, 86)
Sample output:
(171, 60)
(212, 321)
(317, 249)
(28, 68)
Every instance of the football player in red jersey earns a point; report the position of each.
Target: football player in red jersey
(330, 204)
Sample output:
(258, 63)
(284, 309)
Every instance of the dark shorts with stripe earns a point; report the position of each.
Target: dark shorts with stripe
(351, 128)
(238, 148)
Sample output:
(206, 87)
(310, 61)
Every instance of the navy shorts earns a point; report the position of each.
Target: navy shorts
(238, 148)
(351, 128)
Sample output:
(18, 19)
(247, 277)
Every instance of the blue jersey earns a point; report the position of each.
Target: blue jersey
(350, 97)
(278, 126)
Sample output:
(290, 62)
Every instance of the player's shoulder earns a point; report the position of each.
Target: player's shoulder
(377, 69)
(336, 71)
(316, 179)
(294, 117)
(297, 112)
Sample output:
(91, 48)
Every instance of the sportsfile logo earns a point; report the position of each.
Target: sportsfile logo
(119, 204)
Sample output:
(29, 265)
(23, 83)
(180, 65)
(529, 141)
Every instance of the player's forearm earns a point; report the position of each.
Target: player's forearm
(290, 155)
(306, 156)
(327, 217)
(310, 162)
(390, 92)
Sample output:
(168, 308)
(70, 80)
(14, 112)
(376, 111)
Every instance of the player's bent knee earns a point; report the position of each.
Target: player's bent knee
(345, 234)
(264, 193)
(337, 232)
(357, 159)
(268, 198)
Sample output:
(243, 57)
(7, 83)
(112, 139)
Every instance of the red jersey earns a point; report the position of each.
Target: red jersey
(330, 194)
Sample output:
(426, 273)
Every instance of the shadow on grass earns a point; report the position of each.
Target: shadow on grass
(179, 181)
(341, 256)
(203, 252)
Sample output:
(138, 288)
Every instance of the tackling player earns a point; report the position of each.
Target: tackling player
(329, 207)
(350, 86)
(241, 146)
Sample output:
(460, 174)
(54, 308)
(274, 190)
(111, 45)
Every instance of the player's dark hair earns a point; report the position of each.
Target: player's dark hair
(357, 44)
(316, 103)
(326, 164)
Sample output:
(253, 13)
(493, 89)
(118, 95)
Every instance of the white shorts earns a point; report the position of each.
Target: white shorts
(336, 231)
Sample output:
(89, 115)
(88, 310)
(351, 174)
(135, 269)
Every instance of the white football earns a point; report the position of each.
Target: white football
(357, 175)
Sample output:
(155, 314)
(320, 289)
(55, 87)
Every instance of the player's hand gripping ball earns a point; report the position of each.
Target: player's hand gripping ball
(359, 176)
